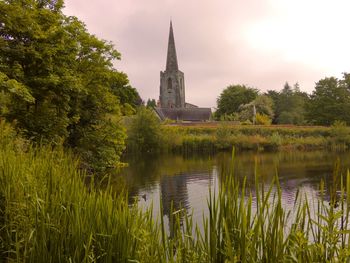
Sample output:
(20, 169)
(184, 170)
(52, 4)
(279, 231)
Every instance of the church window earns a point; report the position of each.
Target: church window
(170, 85)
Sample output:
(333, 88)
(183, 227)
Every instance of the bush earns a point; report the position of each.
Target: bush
(223, 136)
(275, 140)
(144, 132)
(262, 119)
(339, 134)
(339, 131)
(10, 138)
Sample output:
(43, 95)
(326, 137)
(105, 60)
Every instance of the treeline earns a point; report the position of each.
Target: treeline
(329, 102)
(58, 85)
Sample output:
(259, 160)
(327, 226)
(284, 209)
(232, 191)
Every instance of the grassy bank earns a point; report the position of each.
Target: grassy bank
(223, 136)
(48, 214)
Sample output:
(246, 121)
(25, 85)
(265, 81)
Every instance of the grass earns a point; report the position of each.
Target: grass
(207, 137)
(48, 214)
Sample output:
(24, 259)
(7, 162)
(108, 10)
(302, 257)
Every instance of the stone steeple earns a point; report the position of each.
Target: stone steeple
(172, 83)
(171, 60)
(172, 103)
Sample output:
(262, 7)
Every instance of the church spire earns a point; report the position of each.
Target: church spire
(171, 60)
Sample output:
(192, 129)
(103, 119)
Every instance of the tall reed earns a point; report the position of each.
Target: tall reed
(49, 215)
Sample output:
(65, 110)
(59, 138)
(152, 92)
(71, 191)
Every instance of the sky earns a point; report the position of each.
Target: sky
(259, 43)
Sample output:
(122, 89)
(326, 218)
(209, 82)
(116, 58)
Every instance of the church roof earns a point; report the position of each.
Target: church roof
(171, 60)
(184, 114)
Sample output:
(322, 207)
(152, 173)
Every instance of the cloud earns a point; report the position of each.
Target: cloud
(261, 43)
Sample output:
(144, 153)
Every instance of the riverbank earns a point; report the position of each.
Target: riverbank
(48, 214)
(225, 135)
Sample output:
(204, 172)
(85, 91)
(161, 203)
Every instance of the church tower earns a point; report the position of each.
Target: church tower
(172, 84)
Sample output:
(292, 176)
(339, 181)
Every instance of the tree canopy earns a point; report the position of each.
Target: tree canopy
(289, 104)
(58, 83)
(233, 97)
(330, 101)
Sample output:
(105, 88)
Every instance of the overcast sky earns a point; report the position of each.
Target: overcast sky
(260, 43)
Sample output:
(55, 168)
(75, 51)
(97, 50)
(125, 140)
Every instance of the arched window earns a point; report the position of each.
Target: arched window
(170, 85)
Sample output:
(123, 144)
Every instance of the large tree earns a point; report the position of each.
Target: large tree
(330, 101)
(128, 96)
(233, 97)
(289, 104)
(58, 81)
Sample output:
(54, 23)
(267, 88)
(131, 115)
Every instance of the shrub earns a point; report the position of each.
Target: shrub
(262, 119)
(223, 136)
(10, 138)
(144, 132)
(339, 134)
(275, 140)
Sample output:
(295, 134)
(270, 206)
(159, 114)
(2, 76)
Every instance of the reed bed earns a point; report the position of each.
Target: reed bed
(224, 136)
(48, 214)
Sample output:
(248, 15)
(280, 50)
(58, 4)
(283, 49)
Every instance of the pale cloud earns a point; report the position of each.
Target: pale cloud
(261, 43)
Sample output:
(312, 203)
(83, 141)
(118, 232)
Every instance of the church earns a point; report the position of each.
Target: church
(172, 104)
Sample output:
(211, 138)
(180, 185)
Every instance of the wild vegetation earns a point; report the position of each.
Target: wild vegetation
(67, 106)
(329, 102)
(58, 85)
(48, 214)
(210, 137)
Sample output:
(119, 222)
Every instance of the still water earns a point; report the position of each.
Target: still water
(184, 180)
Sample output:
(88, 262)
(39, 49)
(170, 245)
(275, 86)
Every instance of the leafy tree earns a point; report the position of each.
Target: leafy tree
(330, 101)
(58, 81)
(144, 131)
(151, 103)
(263, 106)
(128, 96)
(289, 104)
(233, 97)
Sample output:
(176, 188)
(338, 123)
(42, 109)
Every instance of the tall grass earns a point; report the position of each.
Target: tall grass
(48, 214)
(204, 138)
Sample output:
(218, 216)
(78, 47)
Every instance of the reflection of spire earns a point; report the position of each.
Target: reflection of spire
(174, 195)
(171, 60)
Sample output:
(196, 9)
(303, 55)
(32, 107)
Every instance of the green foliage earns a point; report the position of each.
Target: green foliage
(275, 140)
(263, 106)
(330, 101)
(48, 214)
(230, 117)
(128, 96)
(247, 122)
(151, 103)
(233, 97)
(10, 139)
(144, 132)
(58, 83)
(292, 117)
(262, 119)
(223, 137)
(15, 88)
(340, 135)
(289, 105)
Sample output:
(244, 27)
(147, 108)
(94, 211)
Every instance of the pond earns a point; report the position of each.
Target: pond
(184, 180)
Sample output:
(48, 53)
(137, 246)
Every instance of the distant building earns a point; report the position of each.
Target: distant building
(172, 104)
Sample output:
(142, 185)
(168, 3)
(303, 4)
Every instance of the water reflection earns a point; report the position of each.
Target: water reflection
(183, 181)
